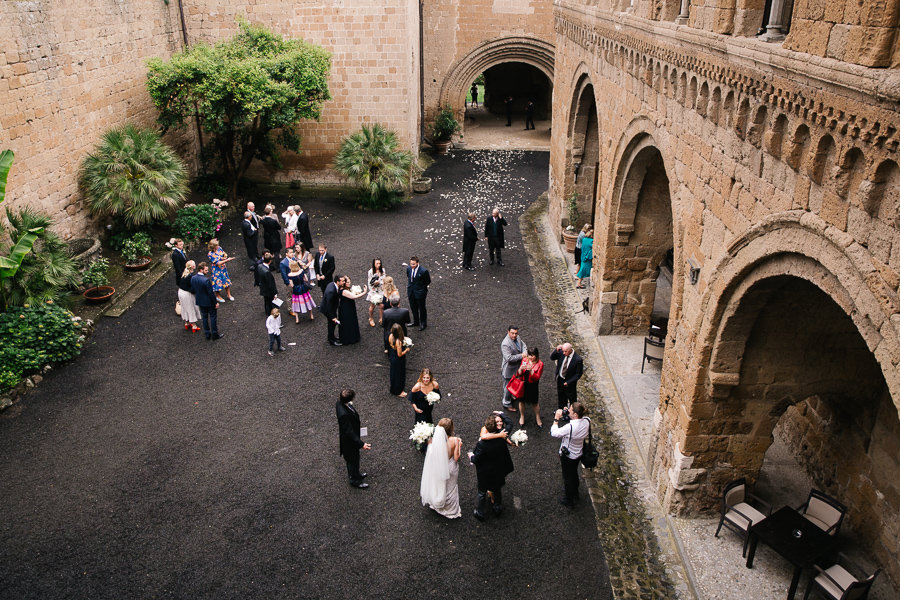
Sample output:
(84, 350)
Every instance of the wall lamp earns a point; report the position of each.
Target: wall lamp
(693, 272)
(577, 168)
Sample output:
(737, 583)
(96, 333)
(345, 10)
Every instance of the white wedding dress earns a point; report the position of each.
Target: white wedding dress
(439, 489)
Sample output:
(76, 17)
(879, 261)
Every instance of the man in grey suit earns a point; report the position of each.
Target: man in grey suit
(513, 350)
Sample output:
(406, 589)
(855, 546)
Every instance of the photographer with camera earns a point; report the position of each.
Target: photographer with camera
(573, 431)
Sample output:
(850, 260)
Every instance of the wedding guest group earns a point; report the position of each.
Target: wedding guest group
(349, 436)
(569, 368)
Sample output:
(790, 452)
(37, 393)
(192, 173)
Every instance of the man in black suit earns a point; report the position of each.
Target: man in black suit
(417, 281)
(267, 287)
(250, 233)
(569, 368)
(351, 442)
(178, 260)
(206, 301)
(271, 231)
(470, 238)
(324, 266)
(493, 233)
(394, 314)
(303, 228)
(329, 308)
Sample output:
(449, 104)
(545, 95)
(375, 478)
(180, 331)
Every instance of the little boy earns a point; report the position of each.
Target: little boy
(273, 326)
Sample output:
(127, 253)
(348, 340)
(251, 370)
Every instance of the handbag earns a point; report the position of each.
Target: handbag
(516, 387)
(178, 307)
(589, 453)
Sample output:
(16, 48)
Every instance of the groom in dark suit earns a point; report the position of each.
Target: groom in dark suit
(417, 281)
(324, 266)
(348, 428)
(329, 307)
(470, 238)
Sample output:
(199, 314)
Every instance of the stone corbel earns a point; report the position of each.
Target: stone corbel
(623, 233)
(720, 384)
(681, 475)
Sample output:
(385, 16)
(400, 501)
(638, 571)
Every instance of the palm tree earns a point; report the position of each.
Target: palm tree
(133, 177)
(372, 158)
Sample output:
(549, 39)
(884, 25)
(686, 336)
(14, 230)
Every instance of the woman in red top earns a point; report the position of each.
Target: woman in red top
(531, 370)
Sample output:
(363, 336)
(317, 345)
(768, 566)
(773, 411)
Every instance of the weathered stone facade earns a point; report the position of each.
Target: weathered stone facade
(770, 170)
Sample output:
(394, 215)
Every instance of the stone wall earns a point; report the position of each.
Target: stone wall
(779, 164)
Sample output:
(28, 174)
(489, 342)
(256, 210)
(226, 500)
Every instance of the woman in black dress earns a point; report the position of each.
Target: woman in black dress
(349, 328)
(418, 397)
(532, 368)
(397, 356)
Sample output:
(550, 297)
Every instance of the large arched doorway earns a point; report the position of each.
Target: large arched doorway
(583, 153)
(639, 242)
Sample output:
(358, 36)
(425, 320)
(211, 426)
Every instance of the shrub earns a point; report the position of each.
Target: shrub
(372, 159)
(197, 222)
(133, 177)
(136, 247)
(32, 337)
(96, 273)
(445, 125)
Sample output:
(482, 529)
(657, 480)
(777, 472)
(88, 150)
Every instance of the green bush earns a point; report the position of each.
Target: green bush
(373, 160)
(136, 247)
(197, 222)
(34, 336)
(445, 125)
(96, 274)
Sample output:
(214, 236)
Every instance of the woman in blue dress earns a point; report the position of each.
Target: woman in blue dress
(587, 259)
(218, 258)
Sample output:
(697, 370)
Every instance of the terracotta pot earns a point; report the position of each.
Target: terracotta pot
(141, 264)
(101, 293)
(570, 238)
(441, 147)
(422, 185)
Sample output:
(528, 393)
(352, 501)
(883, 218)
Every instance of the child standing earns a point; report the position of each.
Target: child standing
(301, 299)
(273, 326)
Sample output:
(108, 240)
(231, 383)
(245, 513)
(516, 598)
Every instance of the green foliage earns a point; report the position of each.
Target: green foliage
(13, 254)
(47, 271)
(136, 247)
(372, 159)
(242, 91)
(197, 222)
(445, 125)
(572, 210)
(133, 177)
(96, 274)
(34, 336)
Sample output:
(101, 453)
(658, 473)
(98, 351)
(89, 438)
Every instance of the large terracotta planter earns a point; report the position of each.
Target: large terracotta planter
(141, 264)
(96, 295)
(441, 147)
(570, 237)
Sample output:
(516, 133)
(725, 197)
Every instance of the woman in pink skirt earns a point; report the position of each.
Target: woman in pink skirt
(301, 299)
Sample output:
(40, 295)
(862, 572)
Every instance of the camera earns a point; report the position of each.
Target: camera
(564, 418)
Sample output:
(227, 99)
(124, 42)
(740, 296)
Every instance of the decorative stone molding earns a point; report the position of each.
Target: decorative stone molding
(681, 475)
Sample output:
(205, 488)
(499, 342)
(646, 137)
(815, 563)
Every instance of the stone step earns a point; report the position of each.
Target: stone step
(123, 301)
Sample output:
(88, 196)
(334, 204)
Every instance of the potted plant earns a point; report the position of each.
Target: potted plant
(570, 234)
(445, 125)
(136, 251)
(96, 282)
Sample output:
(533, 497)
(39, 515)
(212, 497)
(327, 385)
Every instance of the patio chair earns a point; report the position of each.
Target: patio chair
(838, 583)
(653, 350)
(737, 513)
(823, 511)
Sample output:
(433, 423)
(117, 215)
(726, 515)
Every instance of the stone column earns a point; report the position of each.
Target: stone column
(684, 13)
(773, 29)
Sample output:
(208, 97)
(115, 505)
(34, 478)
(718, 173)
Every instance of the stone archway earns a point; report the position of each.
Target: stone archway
(583, 152)
(640, 236)
(526, 50)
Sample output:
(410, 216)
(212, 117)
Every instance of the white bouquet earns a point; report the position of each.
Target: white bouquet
(407, 342)
(519, 437)
(433, 397)
(376, 298)
(421, 433)
(356, 290)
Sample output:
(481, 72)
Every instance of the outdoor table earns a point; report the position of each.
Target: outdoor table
(793, 537)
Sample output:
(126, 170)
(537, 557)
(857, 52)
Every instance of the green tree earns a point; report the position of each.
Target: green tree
(12, 255)
(243, 91)
(133, 177)
(372, 159)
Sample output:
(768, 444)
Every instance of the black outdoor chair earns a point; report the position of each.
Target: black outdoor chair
(653, 350)
(737, 513)
(838, 583)
(823, 511)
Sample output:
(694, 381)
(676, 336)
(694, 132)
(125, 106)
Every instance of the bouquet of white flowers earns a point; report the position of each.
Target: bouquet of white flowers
(376, 298)
(421, 433)
(519, 437)
(407, 342)
(355, 289)
(433, 397)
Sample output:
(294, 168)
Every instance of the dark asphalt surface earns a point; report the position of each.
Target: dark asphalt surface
(160, 465)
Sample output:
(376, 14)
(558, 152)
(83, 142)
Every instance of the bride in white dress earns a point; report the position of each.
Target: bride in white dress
(439, 489)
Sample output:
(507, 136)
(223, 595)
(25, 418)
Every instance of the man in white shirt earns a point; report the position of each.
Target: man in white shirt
(573, 435)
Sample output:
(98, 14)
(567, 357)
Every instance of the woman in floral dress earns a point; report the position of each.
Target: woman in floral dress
(218, 258)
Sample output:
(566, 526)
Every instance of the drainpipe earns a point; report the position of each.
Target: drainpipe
(421, 74)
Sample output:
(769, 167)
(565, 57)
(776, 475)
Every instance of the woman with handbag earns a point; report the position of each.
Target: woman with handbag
(573, 435)
(530, 371)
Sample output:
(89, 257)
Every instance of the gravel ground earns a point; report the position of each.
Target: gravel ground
(162, 465)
